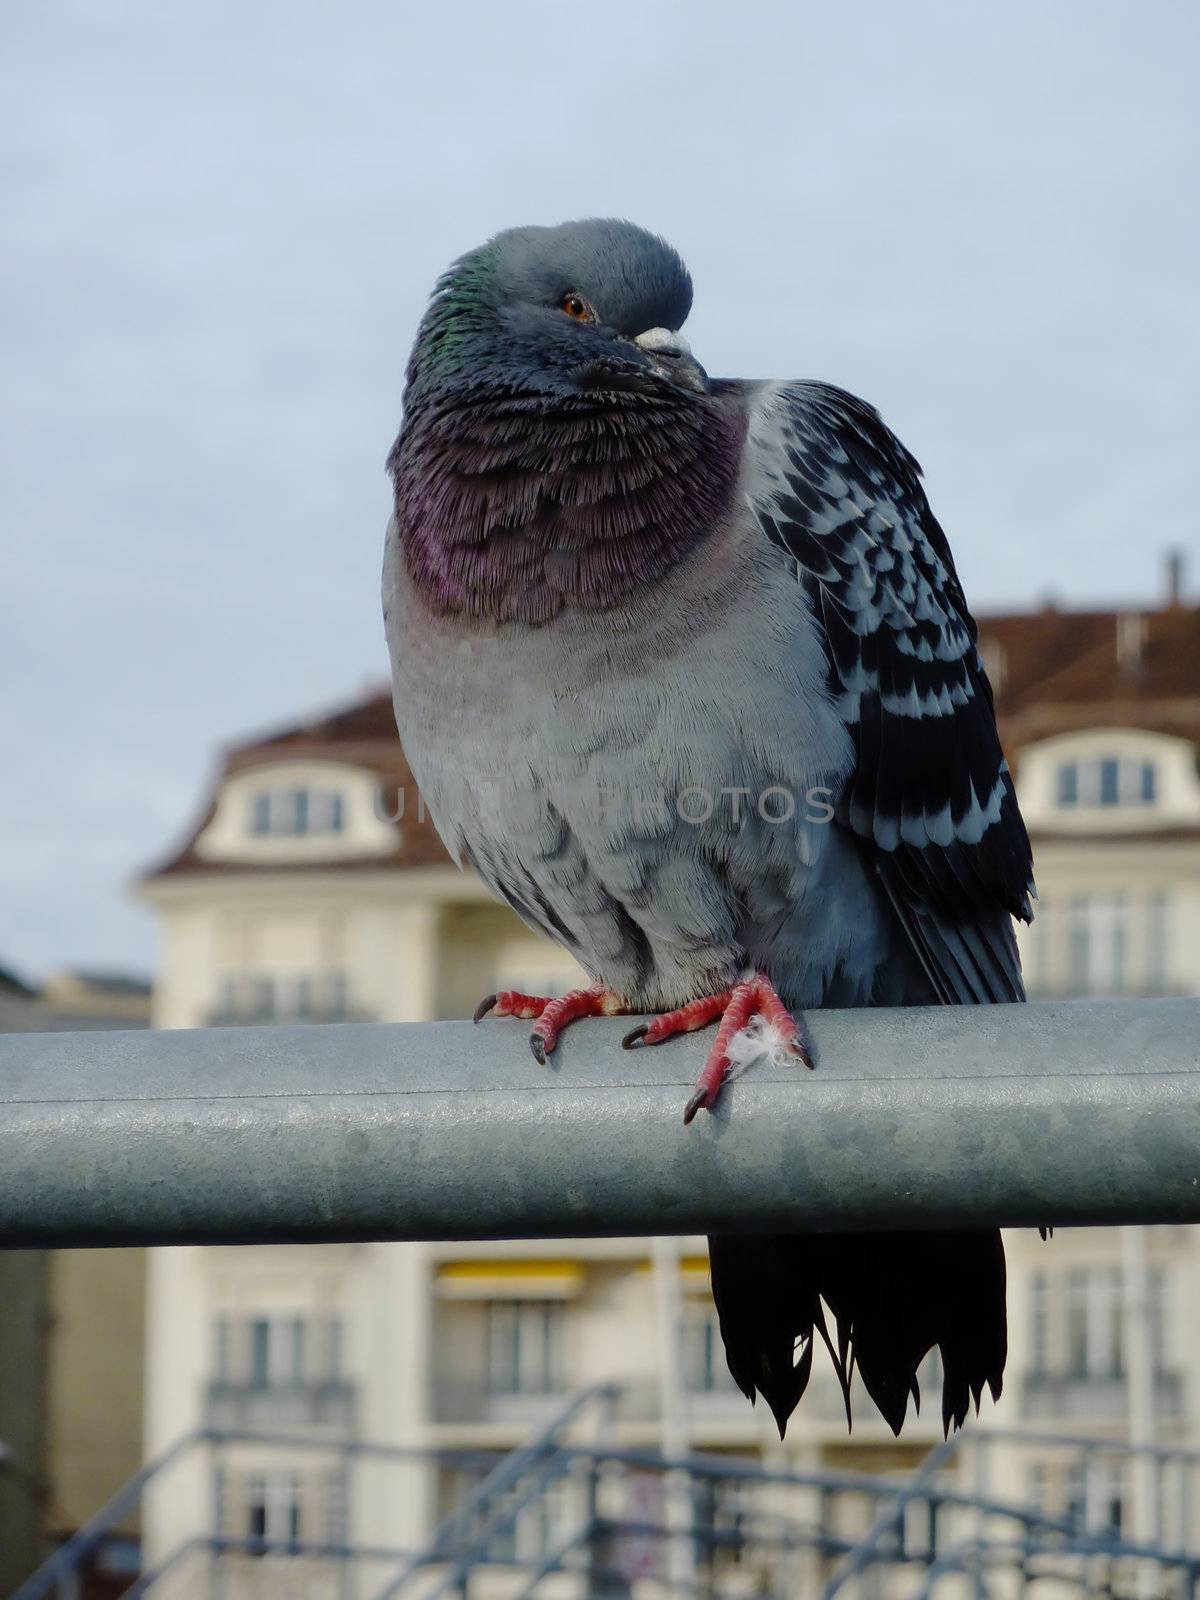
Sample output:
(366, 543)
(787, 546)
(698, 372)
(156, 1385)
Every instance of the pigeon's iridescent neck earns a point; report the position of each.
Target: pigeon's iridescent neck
(515, 507)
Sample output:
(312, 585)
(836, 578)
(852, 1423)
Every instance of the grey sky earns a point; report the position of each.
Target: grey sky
(223, 221)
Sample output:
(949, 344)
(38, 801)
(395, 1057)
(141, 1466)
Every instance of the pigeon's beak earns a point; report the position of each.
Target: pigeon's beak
(671, 357)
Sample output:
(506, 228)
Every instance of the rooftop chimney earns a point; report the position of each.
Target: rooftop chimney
(994, 663)
(1175, 577)
(1131, 639)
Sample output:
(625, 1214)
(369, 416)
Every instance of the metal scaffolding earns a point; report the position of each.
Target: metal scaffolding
(1073, 1112)
(565, 1514)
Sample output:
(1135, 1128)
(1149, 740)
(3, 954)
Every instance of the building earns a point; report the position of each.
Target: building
(1100, 715)
(313, 888)
(71, 1329)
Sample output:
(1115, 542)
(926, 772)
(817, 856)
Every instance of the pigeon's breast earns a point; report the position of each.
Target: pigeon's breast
(651, 786)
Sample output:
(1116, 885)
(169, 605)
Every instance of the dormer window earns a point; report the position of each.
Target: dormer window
(1107, 781)
(297, 813)
(294, 813)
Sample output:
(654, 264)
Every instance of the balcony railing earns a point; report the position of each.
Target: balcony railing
(328, 1404)
(807, 1532)
(270, 1016)
(474, 1400)
(1072, 1396)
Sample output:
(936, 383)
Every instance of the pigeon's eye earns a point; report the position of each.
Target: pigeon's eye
(576, 306)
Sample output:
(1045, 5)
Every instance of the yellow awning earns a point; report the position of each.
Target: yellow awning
(512, 1278)
(693, 1271)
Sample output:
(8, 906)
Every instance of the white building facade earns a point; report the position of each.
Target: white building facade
(314, 889)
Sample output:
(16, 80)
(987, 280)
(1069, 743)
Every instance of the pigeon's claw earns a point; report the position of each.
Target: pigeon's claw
(511, 1003)
(595, 1001)
(752, 1001)
(698, 1100)
(687, 1019)
(552, 1016)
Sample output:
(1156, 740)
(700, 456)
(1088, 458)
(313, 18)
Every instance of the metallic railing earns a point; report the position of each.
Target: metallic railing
(600, 1514)
(1079, 1112)
(327, 1403)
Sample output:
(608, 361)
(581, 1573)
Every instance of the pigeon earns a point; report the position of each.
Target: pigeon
(684, 670)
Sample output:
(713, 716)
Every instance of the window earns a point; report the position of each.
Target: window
(1037, 955)
(702, 1353)
(294, 813)
(273, 1508)
(1039, 1318)
(1158, 1319)
(1097, 944)
(1101, 944)
(1107, 780)
(1095, 1323)
(537, 1527)
(1091, 1304)
(1075, 1494)
(260, 1353)
(1094, 1495)
(291, 1362)
(719, 1517)
(525, 1347)
(455, 1486)
(276, 1351)
(1157, 970)
(283, 997)
(336, 1520)
(279, 1507)
(222, 1348)
(331, 1358)
(271, 1352)
(260, 814)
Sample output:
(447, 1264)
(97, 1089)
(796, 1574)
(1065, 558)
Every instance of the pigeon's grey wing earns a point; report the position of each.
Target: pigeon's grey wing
(930, 797)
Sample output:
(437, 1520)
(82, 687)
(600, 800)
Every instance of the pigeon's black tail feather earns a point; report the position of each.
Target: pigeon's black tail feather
(892, 1297)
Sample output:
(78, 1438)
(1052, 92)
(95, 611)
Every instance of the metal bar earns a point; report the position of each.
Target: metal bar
(1085, 1112)
(553, 1561)
(501, 1518)
(909, 1490)
(86, 1540)
(1160, 1453)
(952, 1560)
(266, 1548)
(63, 1563)
(507, 1472)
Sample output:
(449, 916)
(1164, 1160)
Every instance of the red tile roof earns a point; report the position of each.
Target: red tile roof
(362, 734)
(1058, 671)
(1064, 670)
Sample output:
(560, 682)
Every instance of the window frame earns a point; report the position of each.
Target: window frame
(1107, 781)
(297, 811)
(525, 1347)
(275, 1497)
(271, 1350)
(295, 995)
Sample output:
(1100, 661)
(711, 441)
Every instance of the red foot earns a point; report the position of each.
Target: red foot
(511, 1003)
(552, 1015)
(688, 1019)
(754, 997)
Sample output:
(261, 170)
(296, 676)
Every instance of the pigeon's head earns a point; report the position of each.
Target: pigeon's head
(588, 307)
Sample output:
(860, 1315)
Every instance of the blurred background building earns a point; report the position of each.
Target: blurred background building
(71, 1336)
(312, 888)
(222, 227)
